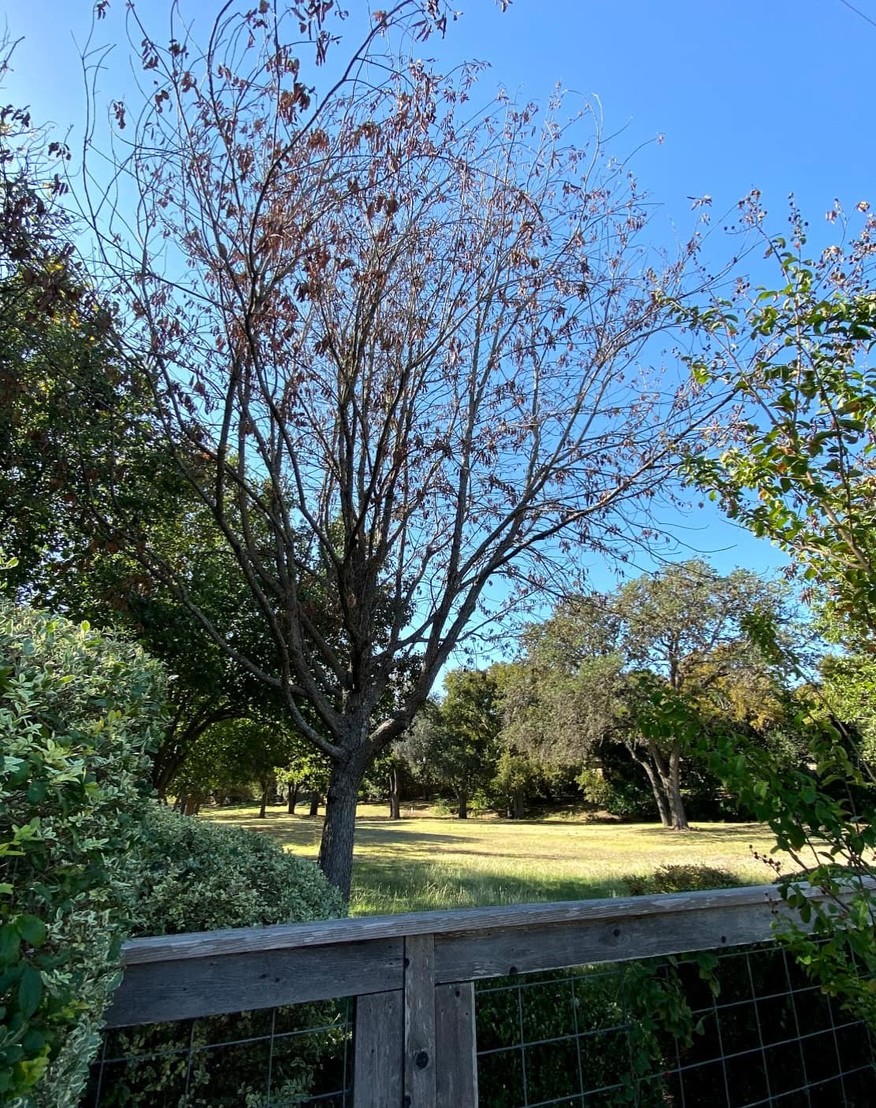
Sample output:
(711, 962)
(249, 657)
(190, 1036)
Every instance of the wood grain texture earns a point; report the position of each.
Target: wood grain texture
(456, 1078)
(239, 982)
(182, 976)
(419, 1047)
(207, 944)
(378, 1061)
(501, 953)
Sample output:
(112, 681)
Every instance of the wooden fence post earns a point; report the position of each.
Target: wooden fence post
(377, 1050)
(419, 1050)
(455, 1038)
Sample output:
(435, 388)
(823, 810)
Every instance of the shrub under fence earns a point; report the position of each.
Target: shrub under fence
(742, 1028)
(672, 1000)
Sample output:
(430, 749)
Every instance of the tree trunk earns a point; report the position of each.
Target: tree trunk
(188, 805)
(394, 797)
(673, 792)
(665, 778)
(339, 828)
(291, 797)
(657, 789)
(263, 807)
(314, 804)
(164, 769)
(462, 809)
(517, 805)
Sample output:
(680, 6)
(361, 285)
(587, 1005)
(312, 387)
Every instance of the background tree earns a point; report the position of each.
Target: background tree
(603, 666)
(848, 689)
(518, 776)
(230, 756)
(305, 771)
(453, 744)
(386, 778)
(426, 328)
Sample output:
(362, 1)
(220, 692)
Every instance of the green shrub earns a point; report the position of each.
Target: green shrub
(198, 876)
(681, 879)
(78, 713)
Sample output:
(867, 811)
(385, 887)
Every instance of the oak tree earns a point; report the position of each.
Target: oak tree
(646, 666)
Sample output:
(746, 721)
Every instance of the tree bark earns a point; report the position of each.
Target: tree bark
(314, 804)
(665, 777)
(514, 809)
(291, 797)
(462, 809)
(394, 796)
(657, 789)
(673, 792)
(339, 828)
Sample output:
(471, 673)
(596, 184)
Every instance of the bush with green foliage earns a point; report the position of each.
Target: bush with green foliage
(79, 712)
(199, 876)
(681, 879)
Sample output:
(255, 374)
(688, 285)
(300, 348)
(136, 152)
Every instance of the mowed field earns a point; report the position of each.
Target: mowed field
(425, 861)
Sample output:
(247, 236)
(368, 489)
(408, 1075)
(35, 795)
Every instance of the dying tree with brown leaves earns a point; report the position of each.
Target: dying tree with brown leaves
(408, 342)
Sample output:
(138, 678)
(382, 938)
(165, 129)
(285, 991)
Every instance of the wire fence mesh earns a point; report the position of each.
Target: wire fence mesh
(295, 1055)
(739, 1028)
(752, 1030)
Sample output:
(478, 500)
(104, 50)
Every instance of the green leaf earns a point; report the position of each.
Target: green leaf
(31, 929)
(33, 1042)
(30, 990)
(10, 943)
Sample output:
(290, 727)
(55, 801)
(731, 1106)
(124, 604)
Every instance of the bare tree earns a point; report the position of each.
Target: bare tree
(408, 339)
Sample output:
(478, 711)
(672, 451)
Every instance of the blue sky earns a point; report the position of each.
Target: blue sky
(774, 94)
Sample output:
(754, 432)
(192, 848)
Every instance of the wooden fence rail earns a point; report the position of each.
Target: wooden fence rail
(413, 975)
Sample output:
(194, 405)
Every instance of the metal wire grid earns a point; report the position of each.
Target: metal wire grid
(274, 1058)
(768, 1037)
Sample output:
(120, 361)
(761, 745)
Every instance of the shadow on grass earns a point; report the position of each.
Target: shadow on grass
(729, 832)
(411, 885)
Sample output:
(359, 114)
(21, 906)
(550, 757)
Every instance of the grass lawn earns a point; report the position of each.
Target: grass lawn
(426, 861)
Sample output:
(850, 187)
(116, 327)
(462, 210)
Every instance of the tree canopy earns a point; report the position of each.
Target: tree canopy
(605, 666)
(390, 338)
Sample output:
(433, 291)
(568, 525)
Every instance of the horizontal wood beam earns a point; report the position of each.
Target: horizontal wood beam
(186, 976)
(501, 953)
(192, 987)
(238, 940)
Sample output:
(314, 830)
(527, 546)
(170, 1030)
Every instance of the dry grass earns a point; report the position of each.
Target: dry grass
(426, 861)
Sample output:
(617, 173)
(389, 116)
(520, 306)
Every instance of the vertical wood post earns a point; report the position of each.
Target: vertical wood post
(455, 1036)
(377, 1050)
(419, 1052)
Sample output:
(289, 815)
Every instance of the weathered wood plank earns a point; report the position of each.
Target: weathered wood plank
(229, 971)
(468, 957)
(456, 1048)
(419, 1043)
(378, 1050)
(208, 944)
(239, 982)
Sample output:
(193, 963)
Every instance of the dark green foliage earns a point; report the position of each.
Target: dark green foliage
(816, 816)
(198, 876)
(680, 879)
(78, 713)
(604, 1027)
(454, 744)
(733, 1026)
(650, 669)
